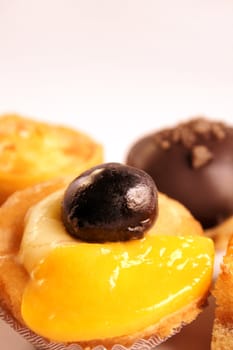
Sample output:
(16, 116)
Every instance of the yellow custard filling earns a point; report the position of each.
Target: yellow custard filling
(23, 141)
(83, 291)
(33, 151)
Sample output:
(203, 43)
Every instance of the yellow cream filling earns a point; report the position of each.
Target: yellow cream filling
(82, 291)
(24, 140)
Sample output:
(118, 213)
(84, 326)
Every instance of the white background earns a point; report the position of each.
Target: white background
(115, 69)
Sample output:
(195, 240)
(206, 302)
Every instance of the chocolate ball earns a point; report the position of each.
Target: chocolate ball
(192, 163)
(110, 202)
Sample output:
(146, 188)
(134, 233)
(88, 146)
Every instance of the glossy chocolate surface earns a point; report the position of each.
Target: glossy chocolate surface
(110, 202)
(192, 163)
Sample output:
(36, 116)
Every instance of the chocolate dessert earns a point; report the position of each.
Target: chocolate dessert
(192, 163)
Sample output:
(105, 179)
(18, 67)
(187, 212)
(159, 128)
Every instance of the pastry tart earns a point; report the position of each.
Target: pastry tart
(33, 151)
(102, 260)
(222, 336)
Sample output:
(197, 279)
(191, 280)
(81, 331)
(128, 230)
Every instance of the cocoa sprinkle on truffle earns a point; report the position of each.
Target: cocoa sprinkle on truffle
(200, 156)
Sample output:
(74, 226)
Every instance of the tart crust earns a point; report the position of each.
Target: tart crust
(221, 233)
(222, 338)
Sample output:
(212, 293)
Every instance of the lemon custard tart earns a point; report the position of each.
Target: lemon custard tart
(32, 151)
(103, 259)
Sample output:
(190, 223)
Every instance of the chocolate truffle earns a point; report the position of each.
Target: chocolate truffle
(110, 202)
(192, 163)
